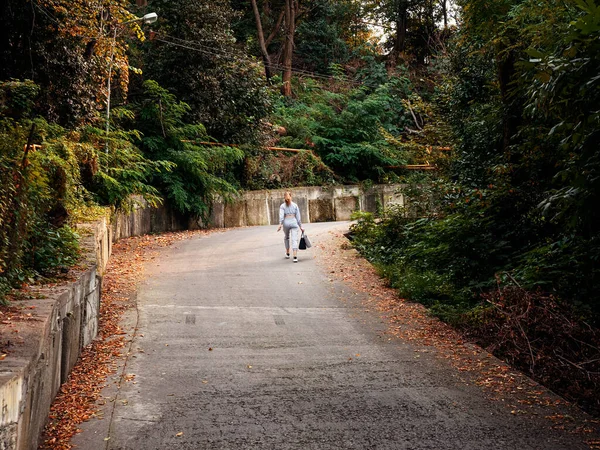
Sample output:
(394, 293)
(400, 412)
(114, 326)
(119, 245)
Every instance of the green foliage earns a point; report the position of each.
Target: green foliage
(351, 129)
(428, 287)
(198, 171)
(60, 173)
(327, 34)
(225, 91)
(372, 71)
(540, 189)
(265, 169)
(53, 249)
(521, 192)
(17, 98)
(428, 260)
(115, 173)
(35, 189)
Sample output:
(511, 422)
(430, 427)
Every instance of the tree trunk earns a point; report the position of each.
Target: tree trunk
(506, 71)
(261, 41)
(288, 46)
(401, 25)
(445, 13)
(275, 28)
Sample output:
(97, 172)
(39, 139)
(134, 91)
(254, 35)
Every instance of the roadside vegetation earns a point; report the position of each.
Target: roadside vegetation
(499, 98)
(505, 243)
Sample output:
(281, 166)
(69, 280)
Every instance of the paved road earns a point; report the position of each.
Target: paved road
(243, 349)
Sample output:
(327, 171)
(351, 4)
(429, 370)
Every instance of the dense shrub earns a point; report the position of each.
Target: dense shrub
(58, 175)
(35, 189)
(518, 200)
(352, 130)
(265, 169)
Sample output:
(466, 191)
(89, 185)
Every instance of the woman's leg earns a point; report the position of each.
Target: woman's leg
(286, 238)
(295, 240)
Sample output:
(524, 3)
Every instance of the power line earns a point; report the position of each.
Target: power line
(46, 13)
(219, 52)
(216, 52)
(193, 45)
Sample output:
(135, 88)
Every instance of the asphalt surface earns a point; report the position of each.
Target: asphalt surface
(239, 348)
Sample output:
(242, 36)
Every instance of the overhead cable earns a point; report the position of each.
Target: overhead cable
(194, 46)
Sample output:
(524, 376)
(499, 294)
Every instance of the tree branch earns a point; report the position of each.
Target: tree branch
(261, 41)
(413, 115)
(275, 28)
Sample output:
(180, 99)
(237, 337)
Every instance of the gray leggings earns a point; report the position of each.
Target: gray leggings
(292, 226)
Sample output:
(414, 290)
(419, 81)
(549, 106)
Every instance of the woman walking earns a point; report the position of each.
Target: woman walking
(289, 219)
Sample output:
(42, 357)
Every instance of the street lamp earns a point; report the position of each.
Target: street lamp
(146, 19)
(150, 18)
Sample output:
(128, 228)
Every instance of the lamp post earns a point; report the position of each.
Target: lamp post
(147, 19)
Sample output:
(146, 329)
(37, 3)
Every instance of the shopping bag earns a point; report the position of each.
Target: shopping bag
(304, 242)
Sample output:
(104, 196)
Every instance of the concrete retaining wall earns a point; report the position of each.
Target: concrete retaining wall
(66, 320)
(45, 351)
(143, 219)
(317, 204)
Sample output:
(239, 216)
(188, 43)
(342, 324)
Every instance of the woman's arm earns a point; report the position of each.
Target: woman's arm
(298, 219)
(281, 216)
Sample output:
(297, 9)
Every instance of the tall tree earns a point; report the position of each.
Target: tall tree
(416, 25)
(67, 46)
(291, 8)
(194, 56)
(444, 6)
(261, 40)
(401, 25)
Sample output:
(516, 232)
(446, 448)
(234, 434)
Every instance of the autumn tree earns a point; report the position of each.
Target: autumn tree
(70, 48)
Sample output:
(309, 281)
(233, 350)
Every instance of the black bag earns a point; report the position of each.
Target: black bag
(304, 242)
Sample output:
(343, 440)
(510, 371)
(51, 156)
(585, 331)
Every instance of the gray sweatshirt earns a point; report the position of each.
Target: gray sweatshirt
(290, 215)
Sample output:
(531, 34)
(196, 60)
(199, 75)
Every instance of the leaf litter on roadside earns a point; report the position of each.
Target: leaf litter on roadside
(79, 397)
(410, 322)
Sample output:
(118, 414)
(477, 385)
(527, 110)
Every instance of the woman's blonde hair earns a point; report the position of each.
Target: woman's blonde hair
(287, 194)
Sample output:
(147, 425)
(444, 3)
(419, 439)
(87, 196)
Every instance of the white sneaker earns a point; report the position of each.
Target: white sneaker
(287, 256)
(295, 259)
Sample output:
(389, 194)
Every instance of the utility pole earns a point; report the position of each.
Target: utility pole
(147, 18)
